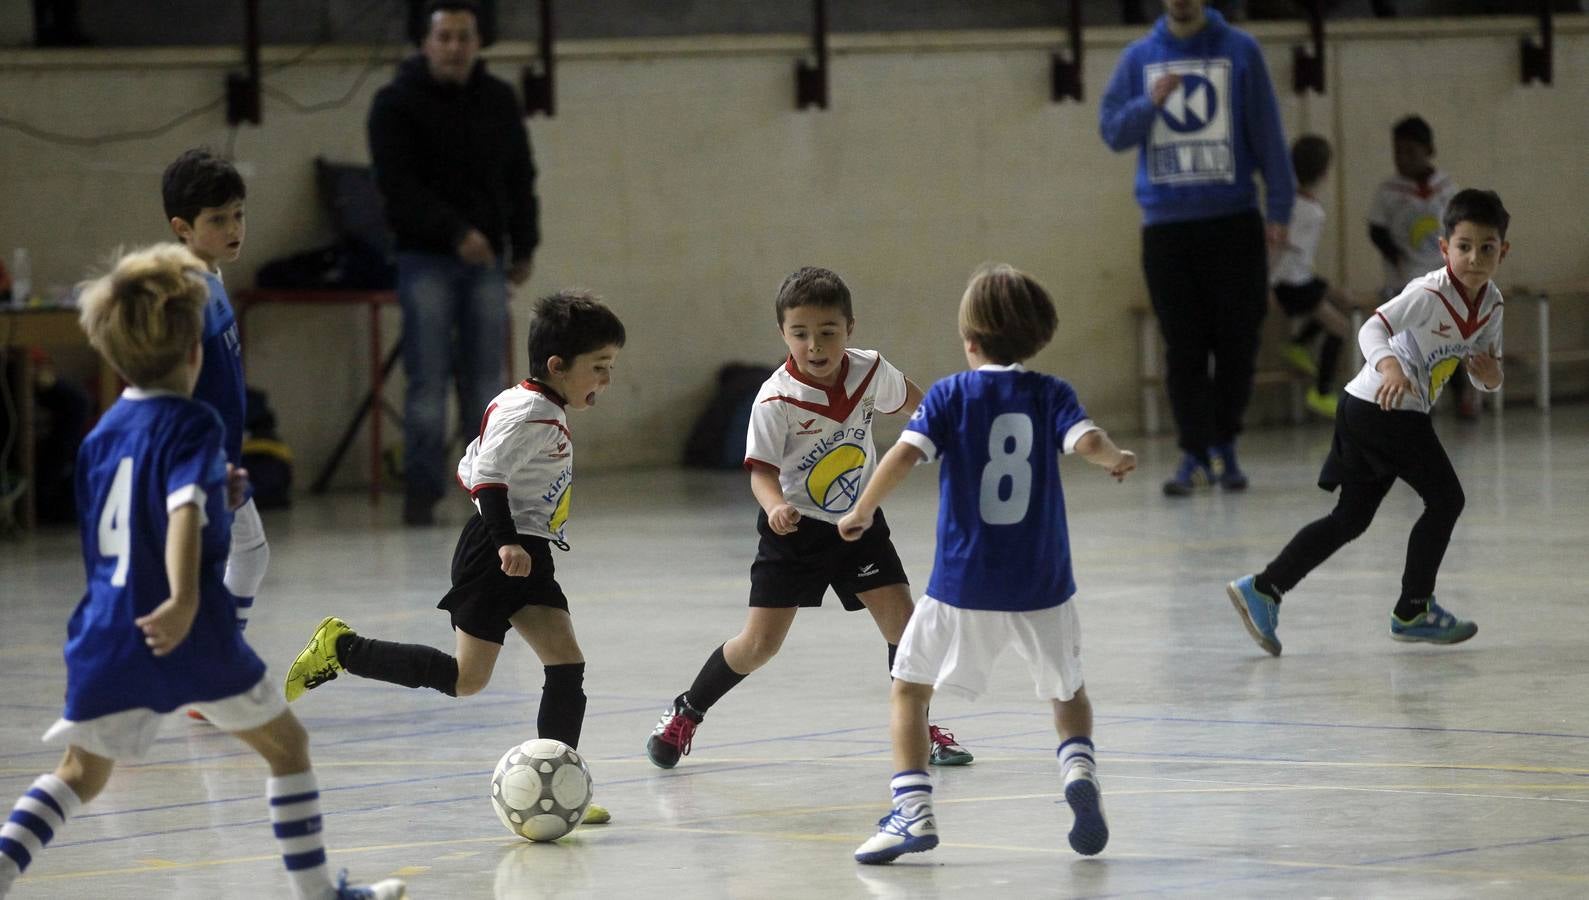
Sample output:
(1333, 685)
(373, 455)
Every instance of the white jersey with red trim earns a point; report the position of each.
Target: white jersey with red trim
(820, 438)
(1411, 212)
(524, 446)
(1429, 327)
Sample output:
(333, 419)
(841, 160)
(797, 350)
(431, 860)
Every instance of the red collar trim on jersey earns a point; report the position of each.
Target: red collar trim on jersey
(531, 384)
(1470, 323)
(839, 405)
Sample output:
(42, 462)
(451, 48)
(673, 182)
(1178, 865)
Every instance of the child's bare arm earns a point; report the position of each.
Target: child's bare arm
(913, 395)
(167, 626)
(1096, 448)
(890, 474)
(781, 515)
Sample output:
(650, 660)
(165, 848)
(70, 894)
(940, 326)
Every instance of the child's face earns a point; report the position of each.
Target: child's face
(583, 378)
(1474, 252)
(216, 236)
(1412, 158)
(816, 337)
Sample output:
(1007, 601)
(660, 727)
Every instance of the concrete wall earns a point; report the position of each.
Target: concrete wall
(679, 181)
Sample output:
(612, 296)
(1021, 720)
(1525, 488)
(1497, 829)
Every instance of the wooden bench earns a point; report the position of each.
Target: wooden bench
(1544, 356)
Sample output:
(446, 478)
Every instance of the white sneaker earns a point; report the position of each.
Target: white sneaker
(388, 889)
(898, 833)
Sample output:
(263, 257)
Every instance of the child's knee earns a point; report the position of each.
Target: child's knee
(471, 683)
(85, 773)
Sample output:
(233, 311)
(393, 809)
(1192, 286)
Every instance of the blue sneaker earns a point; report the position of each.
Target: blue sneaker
(898, 834)
(1230, 475)
(1258, 611)
(1090, 833)
(1432, 626)
(1190, 475)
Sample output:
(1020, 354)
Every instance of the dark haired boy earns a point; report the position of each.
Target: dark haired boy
(520, 474)
(1447, 320)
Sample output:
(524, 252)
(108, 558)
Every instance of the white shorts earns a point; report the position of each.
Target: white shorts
(128, 735)
(953, 649)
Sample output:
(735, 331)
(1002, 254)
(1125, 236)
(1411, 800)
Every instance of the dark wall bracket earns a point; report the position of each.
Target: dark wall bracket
(1537, 56)
(1065, 76)
(539, 93)
(1307, 68)
(243, 90)
(811, 78)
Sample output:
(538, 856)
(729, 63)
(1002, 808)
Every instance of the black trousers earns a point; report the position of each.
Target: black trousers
(1372, 448)
(1209, 282)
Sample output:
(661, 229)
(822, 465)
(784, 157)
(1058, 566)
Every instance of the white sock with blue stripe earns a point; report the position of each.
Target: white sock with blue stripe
(912, 792)
(37, 816)
(1076, 755)
(295, 817)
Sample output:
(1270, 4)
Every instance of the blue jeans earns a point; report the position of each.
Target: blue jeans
(454, 316)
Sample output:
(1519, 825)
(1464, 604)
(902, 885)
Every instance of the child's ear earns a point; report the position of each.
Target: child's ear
(1505, 247)
(1444, 248)
(181, 229)
(555, 365)
(849, 329)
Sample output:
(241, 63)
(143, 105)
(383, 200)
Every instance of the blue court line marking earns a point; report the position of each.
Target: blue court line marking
(1290, 872)
(1282, 723)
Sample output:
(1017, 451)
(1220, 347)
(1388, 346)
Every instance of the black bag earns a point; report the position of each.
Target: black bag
(717, 440)
(267, 459)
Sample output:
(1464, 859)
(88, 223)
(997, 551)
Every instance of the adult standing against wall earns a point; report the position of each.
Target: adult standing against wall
(452, 158)
(1194, 98)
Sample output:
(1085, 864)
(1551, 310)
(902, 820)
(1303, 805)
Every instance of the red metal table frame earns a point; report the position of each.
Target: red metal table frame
(245, 301)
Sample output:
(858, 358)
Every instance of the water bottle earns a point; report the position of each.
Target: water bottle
(21, 276)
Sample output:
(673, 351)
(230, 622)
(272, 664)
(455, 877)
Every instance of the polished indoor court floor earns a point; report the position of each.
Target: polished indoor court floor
(1351, 766)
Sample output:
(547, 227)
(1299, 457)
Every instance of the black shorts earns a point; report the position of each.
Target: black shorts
(796, 569)
(483, 599)
(1372, 445)
(1301, 299)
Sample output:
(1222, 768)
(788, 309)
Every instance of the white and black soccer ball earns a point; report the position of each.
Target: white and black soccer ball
(540, 789)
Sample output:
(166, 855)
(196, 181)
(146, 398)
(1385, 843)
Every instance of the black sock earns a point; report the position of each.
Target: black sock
(410, 665)
(1329, 354)
(1266, 587)
(713, 681)
(562, 704)
(1306, 332)
(1408, 608)
(892, 650)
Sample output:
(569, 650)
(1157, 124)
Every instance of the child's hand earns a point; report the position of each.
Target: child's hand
(1485, 366)
(783, 519)
(515, 560)
(1393, 384)
(1162, 88)
(168, 625)
(236, 486)
(853, 525)
(1125, 466)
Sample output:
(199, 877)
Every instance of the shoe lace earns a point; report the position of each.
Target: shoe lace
(939, 737)
(678, 729)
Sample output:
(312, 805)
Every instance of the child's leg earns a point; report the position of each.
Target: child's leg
(755, 645)
(891, 607)
(1319, 539)
(41, 812)
(1436, 482)
(245, 565)
(909, 826)
(421, 665)
(1078, 773)
(293, 793)
(550, 633)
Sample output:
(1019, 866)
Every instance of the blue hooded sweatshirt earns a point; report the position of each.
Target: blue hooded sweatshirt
(1197, 153)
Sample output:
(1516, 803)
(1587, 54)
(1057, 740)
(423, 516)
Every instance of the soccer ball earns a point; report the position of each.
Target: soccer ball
(540, 789)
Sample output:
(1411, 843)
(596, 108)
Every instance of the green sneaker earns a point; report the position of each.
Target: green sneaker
(1323, 404)
(1432, 626)
(1297, 357)
(945, 752)
(318, 662)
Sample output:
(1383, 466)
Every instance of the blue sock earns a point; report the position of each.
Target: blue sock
(37, 816)
(1077, 751)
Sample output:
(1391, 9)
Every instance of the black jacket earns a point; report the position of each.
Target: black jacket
(453, 157)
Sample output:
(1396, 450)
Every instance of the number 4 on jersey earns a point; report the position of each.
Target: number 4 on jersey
(113, 540)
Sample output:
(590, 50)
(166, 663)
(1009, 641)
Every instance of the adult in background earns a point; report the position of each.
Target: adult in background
(1195, 99)
(452, 158)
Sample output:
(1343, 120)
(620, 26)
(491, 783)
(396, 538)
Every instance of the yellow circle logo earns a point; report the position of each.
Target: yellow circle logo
(1440, 373)
(834, 483)
(1423, 228)
(560, 515)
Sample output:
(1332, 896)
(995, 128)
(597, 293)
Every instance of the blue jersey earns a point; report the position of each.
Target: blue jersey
(1002, 539)
(221, 377)
(149, 454)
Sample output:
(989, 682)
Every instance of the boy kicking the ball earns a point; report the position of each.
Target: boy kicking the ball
(520, 474)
